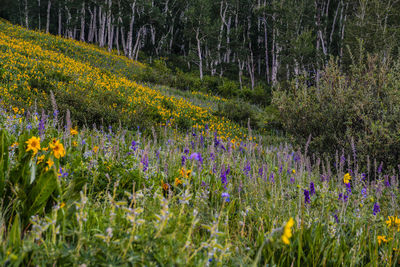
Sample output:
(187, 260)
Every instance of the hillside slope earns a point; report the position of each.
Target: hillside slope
(96, 86)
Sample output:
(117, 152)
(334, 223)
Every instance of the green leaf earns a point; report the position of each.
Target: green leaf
(15, 233)
(41, 192)
(3, 160)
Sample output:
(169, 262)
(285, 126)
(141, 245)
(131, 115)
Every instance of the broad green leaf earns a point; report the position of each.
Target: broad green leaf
(41, 192)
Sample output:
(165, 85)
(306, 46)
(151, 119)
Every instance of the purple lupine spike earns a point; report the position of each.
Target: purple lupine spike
(201, 140)
(134, 145)
(260, 171)
(307, 199)
(41, 126)
(363, 176)
(145, 162)
(312, 189)
(343, 198)
(380, 167)
(212, 156)
(292, 180)
(192, 144)
(186, 150)
(223, 175)
(247, 168)
(183, 160)
(364, 192)
(348, 188)
(271, 177)
(376, 209)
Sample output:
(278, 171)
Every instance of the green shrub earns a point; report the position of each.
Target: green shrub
(363, 105)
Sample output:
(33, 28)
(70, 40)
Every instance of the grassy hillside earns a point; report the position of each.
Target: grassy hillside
(164, 193)
(96, 86)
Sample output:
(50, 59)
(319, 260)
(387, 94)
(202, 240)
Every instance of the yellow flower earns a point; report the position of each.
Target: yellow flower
(74, 143)
(45, 148)
(15, 109)
(33, 144)
(62, 205)
(346, 178)
(14, 145)
(177, 181)
(294, 171)
(95, 149)
(40, 159)
(58, 149)
(382, 238)
(393, 221)
(287, 231)
(50, 163)
(73, 132)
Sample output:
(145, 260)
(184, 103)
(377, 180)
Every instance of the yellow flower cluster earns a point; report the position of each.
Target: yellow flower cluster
(346, 178)
(287, 231)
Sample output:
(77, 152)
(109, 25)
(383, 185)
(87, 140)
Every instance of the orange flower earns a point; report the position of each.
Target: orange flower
(73, 132)
(95, 149)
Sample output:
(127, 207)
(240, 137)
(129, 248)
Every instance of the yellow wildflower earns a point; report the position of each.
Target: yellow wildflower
(177, 181)
(73, 132)
(33, 144)
(50, 163)
(287, 231)
(74, 143)
(58, 149)
(346, 178)
(40, 159)
(95, 149)
(382, 238)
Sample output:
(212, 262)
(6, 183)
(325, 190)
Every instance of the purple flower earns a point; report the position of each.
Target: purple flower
(212, 156)
(186, 150)
(224, 174)
(307, 196)
(380, 167)
(363, 176)
(292, 180)
(342, 197)
(183, 160)
(364, 192)
(196, 156)
(62, 174)
(260, 171)
(312, 189)
(41, 126)
(348, 188)
(376, 209)
(134, 145)
(271, 177)
(145, 162)
(247, 168)
(226, 196)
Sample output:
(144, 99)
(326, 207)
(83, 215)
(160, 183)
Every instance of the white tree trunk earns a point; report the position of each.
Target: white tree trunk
(199, 52)
(48, 16)
(82, 33)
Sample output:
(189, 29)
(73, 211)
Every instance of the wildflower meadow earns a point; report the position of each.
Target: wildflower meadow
(86, 181)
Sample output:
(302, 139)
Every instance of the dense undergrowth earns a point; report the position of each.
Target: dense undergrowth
(185, 188)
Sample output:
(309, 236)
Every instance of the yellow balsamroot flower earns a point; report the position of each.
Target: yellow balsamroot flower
(382, 238)
(95, 149)
(50, 163)
(40, 159)
(346, 178)
(73, 132)
(33, 144)
(58, 149)
(393, 221)
(177, 181)
(74, 143)
(287, 231)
